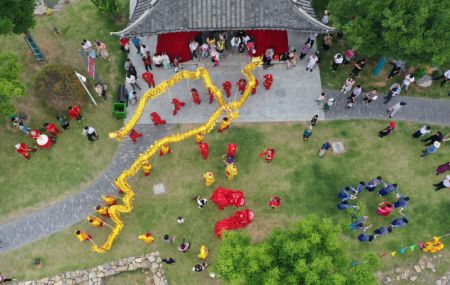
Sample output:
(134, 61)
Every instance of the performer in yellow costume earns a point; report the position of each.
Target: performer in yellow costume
(199, 138)
(147, 168)
(94, 221)
(209, 179)
(203, 252)
(225, 124)
(165, 149)
(147, 238)
(82, 236)
(231, 170)
(433, 245)
(102, 210)
(109, 200)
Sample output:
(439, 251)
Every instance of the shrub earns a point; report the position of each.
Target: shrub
(58, 87)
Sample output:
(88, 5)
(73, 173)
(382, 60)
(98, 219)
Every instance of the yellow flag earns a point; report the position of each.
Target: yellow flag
(393, 253)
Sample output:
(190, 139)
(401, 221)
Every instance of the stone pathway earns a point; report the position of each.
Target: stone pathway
(430, 111)
(70, 211)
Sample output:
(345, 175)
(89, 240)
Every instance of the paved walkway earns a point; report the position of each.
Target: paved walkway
(430, 111)
(70, 211)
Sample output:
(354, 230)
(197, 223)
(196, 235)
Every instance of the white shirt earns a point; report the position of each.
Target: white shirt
(447, 74)
(87, 45)
(408, 80)
(423, 130)
(193, 46)
(246, 39)
(204, 47)
(312, 60)
(157, 59)
(131, 79)
(325, 19)
(395, 107)
(235, 41)
(89, 131)
(446, 181)
(337, 59)
(357, 91)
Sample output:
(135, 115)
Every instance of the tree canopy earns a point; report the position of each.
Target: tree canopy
(412, 30)
(16, 16)
(10, 86)
(310, 252)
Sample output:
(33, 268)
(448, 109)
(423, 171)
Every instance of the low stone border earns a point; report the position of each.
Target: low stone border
(95, 275)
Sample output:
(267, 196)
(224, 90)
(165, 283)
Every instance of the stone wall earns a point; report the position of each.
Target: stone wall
(94, 276)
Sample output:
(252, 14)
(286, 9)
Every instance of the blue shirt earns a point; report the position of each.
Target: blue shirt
(432, 149)
(401, 202)
(387, 190)
(344, 195)
(398, 222)
(381, 231)
(363, 237)
(326, 146)
(395, 89)
(136, 41)
(359, 188)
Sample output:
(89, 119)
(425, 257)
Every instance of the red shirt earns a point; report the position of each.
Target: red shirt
(123, 41)
(74, 112)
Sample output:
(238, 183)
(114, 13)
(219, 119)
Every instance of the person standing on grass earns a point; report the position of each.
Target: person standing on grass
(445, 183)
(371, 96)
(101, 48)
(132, 81)
(446, 77)
(91, 133)
(313, 59)
(409, 78)
(147, 60)
(348, 85)
(52, 129)
(422, 131)
(168, 239)
(394, 90)
(137, 43)
(395, 108)
(62, 121)
(437, 137)
(396, 68)
(74, 113)
(431, 149)
(359, 65)
(307, 133)
(348, 56)
(184, 246)
(337, 61)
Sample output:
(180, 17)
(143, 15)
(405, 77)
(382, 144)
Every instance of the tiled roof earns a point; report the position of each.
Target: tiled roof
(165, 16)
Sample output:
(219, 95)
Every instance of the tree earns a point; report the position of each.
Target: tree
(111, 7)
(10, 86)
(411, 30)
(58, 87)
(310, 252)
(16, 16)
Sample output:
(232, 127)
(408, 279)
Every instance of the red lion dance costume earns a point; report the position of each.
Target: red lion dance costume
(227, 197)
(156, 119)
(204, 150)
(178, 104)
(241, 84)
(254, 88)
(268, 80)
(240, 219)
(227, 87)
(148, 78)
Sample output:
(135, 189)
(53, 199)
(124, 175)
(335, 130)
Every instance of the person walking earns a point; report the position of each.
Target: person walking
(313, 59)
(128, 64)
(311, 39)
(132, 81)
(147, 60)
(371, 96)
(101, 48)
(125, 44)
(395, 108)
(137, 43)
(193, 48)
(304, 51)
(144, 49)
(307, 133)
(337, 61)
(149, 79)
(422, 131)
(445, 183)
(409, 78)
(431, 149)
(348, 85)
(91, 133)
(314, 120)
(394, 90)
(52, 129)
(388, 130)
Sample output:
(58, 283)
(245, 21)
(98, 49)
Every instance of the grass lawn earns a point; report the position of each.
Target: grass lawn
(305, 183)
(68, 167)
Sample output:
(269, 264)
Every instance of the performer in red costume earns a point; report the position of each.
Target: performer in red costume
(211, 96)
(231, 149)
(195, 96)
(268, 80)
(156, 119)
(240, 219)
(34, 134)
(24, 150)
(134, 135)
(148, 78)
(241, 84)
(275, 202)
(385, 208)
(227, 87)
(204, 150)
(178, 104)
(52, 129)
(254, 88)
(227, 197)
(268, 154)
(74, 113)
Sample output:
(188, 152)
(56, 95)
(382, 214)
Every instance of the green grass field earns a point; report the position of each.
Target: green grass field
(305, 183)
(68, 167)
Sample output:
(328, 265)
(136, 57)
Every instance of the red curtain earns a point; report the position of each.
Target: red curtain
(176, 44)
(264, 39)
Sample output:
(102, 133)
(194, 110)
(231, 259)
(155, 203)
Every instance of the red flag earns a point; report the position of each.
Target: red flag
(91, 67)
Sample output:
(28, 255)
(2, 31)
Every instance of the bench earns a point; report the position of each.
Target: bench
(34, 47)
